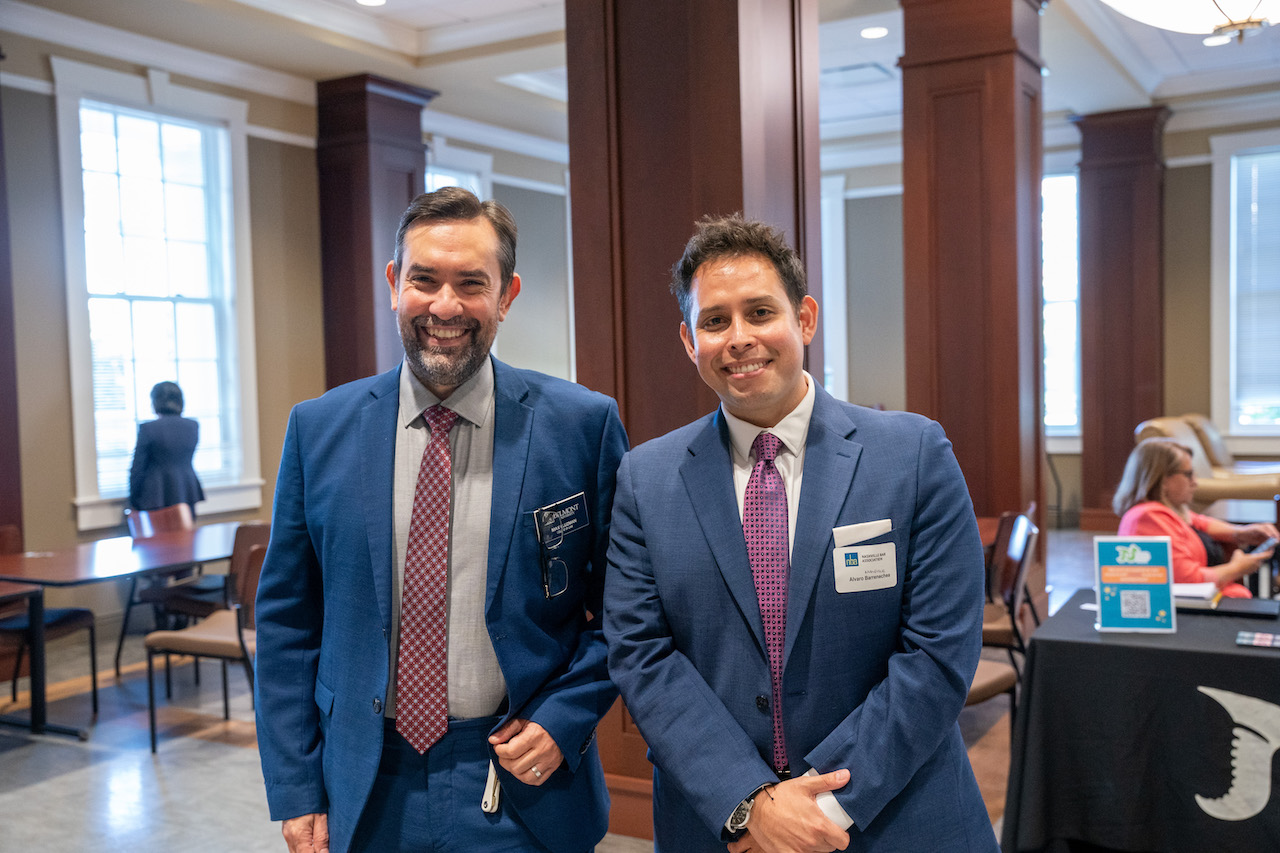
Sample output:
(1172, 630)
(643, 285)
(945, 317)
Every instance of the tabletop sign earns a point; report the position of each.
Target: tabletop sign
(1134, 579)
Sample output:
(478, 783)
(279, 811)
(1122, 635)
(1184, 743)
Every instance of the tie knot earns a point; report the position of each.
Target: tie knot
(766, 446)
(440, 420)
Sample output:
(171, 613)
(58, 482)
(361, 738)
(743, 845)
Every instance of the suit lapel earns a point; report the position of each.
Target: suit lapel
(377, 464)
(512, 428)
(707, 473)
(830, 460)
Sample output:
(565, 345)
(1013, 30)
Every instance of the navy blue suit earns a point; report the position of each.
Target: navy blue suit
(325, 599)
(873, 681)
(162, 474)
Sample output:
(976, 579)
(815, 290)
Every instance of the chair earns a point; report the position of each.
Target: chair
(226, 634)
(1007, 585)
(1215, 449)
(15, 626)
(1212, 484)
(176, 592)
(990, 680)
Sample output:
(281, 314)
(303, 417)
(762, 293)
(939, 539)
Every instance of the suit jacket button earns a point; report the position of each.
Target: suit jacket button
(377, 705)
(762, 702)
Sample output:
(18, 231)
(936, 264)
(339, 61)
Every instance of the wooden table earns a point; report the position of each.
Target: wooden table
(34, 595)
(103, 560)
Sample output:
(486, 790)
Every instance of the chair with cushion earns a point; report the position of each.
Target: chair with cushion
(15, 627)
(1007, 585)
(1220, 458)
(992, 678)
(179, 592)
(227, 635)
(1211, 485)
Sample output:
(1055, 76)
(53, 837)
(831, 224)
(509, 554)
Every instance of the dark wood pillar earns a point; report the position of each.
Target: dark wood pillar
(972, 152)
(10, 447)
(372, 163)
(677, 110)
(1121, 302)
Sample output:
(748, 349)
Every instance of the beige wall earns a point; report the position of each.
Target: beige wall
(287, 303)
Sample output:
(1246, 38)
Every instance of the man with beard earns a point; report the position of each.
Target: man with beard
(430, 664)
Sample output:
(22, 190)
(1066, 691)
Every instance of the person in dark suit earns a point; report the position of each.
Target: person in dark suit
(162, 474)
(509, 473)
(793, 604)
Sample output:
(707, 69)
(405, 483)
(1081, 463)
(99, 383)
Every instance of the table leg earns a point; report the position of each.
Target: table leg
(39, 719)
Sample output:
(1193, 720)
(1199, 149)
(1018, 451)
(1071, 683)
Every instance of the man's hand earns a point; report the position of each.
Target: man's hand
(526, 751)
(307, 834)
(786, 819)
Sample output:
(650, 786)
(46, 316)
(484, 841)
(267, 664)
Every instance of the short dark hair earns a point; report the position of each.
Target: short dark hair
(166, 398)
(455, 204)
(721, 237)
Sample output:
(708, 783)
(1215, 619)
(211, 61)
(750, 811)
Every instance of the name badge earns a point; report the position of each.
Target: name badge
(862, 568)
(557, 520)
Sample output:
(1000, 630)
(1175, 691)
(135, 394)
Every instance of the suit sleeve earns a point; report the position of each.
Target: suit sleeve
(905, 717)
(289, 615)
(572, 703)
(691, 734)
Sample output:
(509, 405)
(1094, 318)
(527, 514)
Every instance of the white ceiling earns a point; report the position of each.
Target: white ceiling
(501, 62)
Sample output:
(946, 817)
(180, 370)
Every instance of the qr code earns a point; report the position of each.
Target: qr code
(1135, 604)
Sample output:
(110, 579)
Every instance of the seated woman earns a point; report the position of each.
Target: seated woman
(1153, 499)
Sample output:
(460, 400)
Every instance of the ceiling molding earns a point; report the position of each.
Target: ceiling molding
(532, 22)
(348, 22)
(1097, 22)
(479, 133)
(57, 28)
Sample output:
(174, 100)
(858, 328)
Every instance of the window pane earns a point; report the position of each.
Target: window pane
(197, 332)
(144, 271)
(1061, 275)
(104, 262)
(1256, 292)
(189, 269)
(183, 155)
(97, 140)
(184, 212)
(101, 202)
(139, 147)
(142, 207)
(154, 331)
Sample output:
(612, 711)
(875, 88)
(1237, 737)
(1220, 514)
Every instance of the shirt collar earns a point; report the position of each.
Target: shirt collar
(791, 430)
(472, 400)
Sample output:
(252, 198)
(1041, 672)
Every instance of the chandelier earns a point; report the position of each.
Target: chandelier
(1232, 18)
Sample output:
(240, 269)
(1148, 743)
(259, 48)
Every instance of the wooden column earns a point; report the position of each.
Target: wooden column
(972, 152)
(372, 163)
(10, 447)
(677, 110)
(1121, 301)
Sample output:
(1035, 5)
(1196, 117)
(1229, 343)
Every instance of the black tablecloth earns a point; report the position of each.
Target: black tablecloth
(1114, 738)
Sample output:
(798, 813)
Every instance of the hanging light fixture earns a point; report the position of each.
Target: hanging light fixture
(1234, 18)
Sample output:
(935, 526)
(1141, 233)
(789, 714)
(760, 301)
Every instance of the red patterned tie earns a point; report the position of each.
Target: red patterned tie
(422, 671)
(764, 523)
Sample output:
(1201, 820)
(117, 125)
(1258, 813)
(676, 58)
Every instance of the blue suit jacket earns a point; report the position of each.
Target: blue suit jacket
(325, 598)
(161, 474)
(873, 681)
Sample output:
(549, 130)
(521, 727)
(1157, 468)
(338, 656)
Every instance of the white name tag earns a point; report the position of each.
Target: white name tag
(862, 568)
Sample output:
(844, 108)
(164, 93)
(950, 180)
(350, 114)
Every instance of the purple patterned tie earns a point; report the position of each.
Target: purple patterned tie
(422, 668)
(764, 523)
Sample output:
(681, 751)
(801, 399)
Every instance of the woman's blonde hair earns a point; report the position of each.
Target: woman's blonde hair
(1151, 461)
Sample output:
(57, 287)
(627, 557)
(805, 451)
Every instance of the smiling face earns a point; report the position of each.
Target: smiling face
(449, 299)
(746, 338)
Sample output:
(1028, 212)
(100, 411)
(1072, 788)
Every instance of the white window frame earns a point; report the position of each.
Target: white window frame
(1224, 147)
(73, 82)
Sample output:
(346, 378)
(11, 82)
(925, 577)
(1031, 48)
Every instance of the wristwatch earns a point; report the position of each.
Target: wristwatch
(738, 820)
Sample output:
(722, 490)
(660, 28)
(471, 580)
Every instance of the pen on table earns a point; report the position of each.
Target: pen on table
(1217, 596)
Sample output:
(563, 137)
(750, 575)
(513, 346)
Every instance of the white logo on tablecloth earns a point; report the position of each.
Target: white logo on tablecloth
(1255, 740)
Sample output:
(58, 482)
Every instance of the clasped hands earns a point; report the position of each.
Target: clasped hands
(785, 818)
